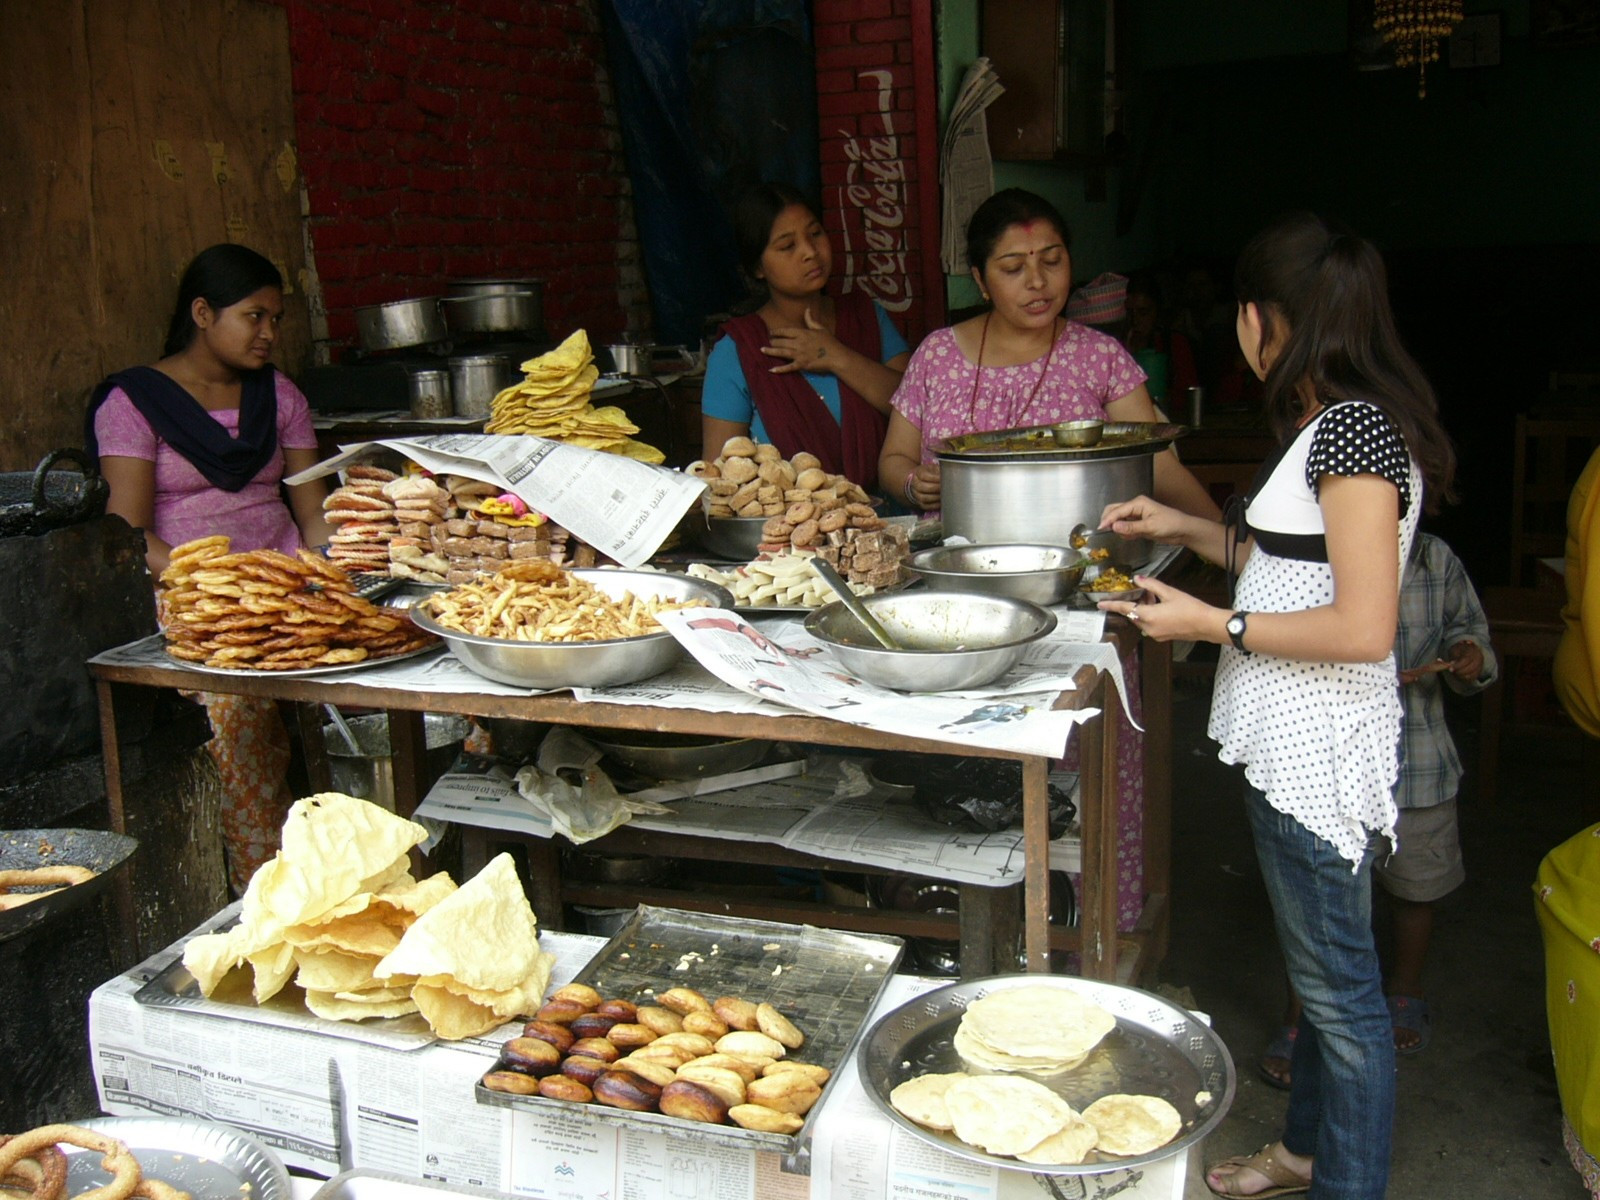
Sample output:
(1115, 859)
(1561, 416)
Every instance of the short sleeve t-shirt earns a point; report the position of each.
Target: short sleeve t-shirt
(945, 395)
(726, 394)
(1319, 739)
(187, 504)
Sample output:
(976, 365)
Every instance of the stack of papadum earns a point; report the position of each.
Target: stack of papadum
(337, 911)
(1040, 1031)
(552, 401)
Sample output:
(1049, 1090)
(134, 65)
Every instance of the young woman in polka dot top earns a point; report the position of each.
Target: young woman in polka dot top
(1306, 692)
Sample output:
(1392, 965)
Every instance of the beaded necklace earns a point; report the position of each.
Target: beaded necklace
(977, 375)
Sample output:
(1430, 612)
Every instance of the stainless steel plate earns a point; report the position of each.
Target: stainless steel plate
(826, 981)
(1157, 1049)
(232, 1001)
(208, 1160)
(380, 1185)
(365, 664)
(25, 849)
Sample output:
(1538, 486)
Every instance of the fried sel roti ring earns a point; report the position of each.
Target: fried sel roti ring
(44, 1174)
(116, 1157)
(56, 876)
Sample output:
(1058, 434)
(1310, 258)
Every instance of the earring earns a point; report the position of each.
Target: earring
(985, 297)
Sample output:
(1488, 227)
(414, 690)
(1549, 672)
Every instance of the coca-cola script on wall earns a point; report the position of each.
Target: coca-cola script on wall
(873, 202)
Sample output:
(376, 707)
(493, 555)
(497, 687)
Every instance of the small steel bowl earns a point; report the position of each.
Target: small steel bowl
(952, 640)
(1127, 553)
(551, 665)
(732, 539)
(1023, 571)
(1094, 572)
(1078, 434)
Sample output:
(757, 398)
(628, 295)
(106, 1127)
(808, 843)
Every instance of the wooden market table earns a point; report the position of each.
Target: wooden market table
(986, 925)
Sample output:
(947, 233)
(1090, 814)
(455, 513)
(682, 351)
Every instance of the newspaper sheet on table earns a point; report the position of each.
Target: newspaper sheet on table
(623, 508)
(781, 662)
(830, 811)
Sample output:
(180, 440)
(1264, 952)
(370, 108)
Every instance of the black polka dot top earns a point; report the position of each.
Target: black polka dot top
(1319, 739)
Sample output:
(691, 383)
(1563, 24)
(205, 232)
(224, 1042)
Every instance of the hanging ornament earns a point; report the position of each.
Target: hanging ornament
(1413, 28)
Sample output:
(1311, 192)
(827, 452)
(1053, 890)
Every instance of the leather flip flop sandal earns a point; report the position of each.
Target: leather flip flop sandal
(1281, 1180)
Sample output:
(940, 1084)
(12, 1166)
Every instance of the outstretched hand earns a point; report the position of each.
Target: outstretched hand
(1166, 613)
(812, 348)
(1143, 517)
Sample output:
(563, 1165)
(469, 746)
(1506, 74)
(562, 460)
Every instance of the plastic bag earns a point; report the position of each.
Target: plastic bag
(983, 795)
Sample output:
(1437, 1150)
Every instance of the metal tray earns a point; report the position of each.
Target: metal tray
(208, 1160)
(1034, 442)
(174, 987)
(1157, 1049)
(25, 849)
(366, 664)
(827, 981)
(381, 1185)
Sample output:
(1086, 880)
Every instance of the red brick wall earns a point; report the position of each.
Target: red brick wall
(470, 139)
(879, 143)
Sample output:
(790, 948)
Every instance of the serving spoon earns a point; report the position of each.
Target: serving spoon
(851, 601)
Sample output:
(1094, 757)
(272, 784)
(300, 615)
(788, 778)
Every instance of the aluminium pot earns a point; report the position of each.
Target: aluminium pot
(1038, 498)
(475, 380)
(495, 305)
(400, 323)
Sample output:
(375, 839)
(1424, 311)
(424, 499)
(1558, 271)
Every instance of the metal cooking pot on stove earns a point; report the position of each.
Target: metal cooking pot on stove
(1019, 486)
(495, 305)
(400, 323)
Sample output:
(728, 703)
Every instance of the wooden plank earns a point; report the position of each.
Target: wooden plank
(136, 134)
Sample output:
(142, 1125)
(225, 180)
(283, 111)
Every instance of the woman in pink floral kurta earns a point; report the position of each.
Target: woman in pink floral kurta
(1022, 363)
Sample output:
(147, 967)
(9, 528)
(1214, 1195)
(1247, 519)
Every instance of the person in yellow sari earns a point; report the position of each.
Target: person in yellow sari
(1577, 663)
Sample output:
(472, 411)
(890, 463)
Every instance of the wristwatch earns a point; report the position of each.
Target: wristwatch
(1236, 626)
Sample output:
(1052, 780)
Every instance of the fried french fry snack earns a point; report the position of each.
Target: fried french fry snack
(539, 602)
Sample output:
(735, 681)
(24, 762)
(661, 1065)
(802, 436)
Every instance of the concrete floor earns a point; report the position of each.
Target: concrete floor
(1478, 1114)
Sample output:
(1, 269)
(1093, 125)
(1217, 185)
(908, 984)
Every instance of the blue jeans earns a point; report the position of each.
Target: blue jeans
(1341, 1103)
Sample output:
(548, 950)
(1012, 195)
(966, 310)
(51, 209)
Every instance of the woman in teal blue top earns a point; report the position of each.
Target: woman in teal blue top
(805, 371)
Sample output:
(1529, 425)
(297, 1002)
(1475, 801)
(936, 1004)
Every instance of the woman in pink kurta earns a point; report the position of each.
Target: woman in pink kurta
(1022, 363)
(199, 445)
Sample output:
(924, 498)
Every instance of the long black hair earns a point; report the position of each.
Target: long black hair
(1323, 290)
(753, 216)
(223, 274)
(1011, 206)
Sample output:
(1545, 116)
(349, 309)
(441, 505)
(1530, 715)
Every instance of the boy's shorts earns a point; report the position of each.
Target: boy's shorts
(1427, 866)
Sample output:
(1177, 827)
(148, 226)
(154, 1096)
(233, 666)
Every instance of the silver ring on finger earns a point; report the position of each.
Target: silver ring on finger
(1133, 613)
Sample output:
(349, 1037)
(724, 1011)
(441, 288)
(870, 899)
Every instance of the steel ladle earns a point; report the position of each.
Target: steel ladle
(852, 602)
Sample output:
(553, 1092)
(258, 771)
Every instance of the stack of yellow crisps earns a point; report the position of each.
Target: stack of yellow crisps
(552, 401)
(334, 907)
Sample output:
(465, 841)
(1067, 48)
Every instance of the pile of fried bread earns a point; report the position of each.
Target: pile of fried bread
(1010, 1039)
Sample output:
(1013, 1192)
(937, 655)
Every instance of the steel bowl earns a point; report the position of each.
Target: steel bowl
(678, 755)
(551, 665)
(1020, 570)
(1127, 553)
(1093, 572)
(1077, 434)
(736, 539)
(951, 640)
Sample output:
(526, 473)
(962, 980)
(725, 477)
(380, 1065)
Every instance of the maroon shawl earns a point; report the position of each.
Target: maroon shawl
(796, 418)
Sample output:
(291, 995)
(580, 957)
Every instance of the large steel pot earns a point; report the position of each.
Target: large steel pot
(1018, 486)
(475, 380)
(495, 305)
(503, 312)
(400, 323)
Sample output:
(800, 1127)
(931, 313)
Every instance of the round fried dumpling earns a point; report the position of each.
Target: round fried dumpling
(1002, 1114)
(922, 1099)
(1133, 1124)
(1066, 1147)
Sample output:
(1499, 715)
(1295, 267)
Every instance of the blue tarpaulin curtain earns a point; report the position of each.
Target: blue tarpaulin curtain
(713, 96)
